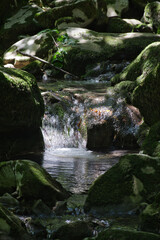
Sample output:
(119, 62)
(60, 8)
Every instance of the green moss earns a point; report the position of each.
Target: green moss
(21, 104)
(126, 183)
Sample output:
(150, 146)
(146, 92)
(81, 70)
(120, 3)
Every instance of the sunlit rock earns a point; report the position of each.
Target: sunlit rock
(38, 45)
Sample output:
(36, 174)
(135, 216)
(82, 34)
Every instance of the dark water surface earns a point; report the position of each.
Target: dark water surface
(77, 168)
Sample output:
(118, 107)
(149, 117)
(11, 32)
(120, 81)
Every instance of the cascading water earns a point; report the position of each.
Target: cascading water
(66, 156)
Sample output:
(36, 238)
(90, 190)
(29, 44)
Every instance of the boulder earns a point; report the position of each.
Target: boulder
(85, 47)
(31, 182)
(133, 180)
(145, 72)
(151, 15)
(124, 234)
(82, 11)
(21, 104)
(38, 45)
(21, 23)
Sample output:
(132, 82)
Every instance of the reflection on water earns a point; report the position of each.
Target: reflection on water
(77, 168)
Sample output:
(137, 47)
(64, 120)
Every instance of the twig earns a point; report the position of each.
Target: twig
(48, 63)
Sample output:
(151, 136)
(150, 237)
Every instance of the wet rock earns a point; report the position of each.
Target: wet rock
(23, 22)
(31, 182)
(144, 72)
(127, 184)
(100, 136)
(41, 209)
(117, 234)
(151, 15)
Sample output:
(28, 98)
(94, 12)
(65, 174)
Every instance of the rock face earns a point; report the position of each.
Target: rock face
(123, 187)
(144, 71)
(30, 181)
(151, 15)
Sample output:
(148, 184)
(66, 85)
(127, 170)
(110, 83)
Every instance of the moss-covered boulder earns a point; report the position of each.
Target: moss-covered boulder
(38, 45)
(144, 71)
(21, 104)
(11, 226)
(123, 187)
(30, 181)
(21, 23)
(123, 234)
(83, 11)
(151, 15)
(151, 144)
(85, 47)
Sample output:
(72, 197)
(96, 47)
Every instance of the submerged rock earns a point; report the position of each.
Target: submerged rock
(123, 187)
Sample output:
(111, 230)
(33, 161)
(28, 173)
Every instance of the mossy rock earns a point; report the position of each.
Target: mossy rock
(145, 72)
(21, 104)
(123, 187)
(123, 234)
(151, 14)
(151, 144)
(11, 226)
(84, 12)
(86, 47)
(30, 181)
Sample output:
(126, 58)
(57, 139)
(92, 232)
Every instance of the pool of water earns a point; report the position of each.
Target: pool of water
(77, 168)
